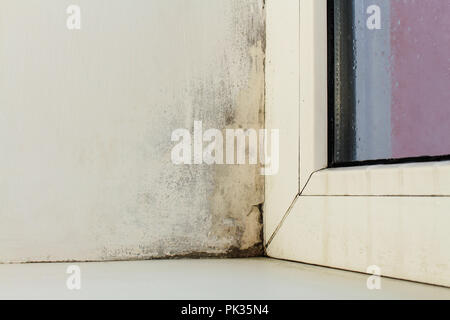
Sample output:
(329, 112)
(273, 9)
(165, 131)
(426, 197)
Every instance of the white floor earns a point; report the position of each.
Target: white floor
(202, 279)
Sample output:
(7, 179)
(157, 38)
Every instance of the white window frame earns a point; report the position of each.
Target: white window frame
(396, 217)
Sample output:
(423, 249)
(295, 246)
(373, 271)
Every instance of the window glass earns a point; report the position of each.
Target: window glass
(391, 79)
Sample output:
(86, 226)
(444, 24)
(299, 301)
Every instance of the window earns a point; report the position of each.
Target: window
(394, 216)
(392, 79)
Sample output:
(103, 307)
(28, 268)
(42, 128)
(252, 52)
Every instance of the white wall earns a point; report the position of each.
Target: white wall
(86, 118)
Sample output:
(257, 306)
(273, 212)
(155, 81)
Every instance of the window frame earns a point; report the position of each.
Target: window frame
(393, 216)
